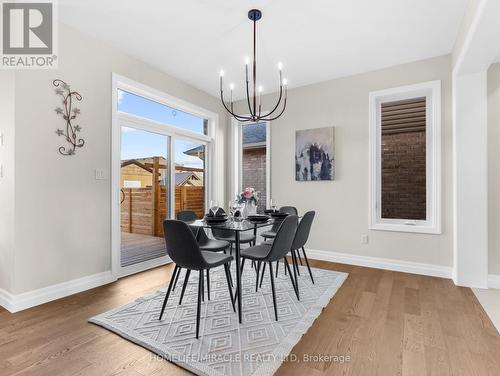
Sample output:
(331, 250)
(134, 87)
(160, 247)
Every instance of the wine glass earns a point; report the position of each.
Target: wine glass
(231, 207)
(272, 204)
(214, 206)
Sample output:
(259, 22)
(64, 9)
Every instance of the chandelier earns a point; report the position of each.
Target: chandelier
(254, 102)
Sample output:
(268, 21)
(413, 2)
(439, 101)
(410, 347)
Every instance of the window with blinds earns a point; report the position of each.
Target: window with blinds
(403, 159)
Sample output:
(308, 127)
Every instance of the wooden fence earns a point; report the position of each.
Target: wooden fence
(143, 211)
(190, 198)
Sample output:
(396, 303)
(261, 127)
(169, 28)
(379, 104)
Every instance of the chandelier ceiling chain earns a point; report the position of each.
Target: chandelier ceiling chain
(254, 103)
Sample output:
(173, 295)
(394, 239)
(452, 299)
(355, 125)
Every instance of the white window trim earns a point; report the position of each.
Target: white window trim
(237, 153)
(120, 119)
(432, 91)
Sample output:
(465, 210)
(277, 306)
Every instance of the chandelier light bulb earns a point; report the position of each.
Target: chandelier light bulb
(280, 65)
(285, 82)
(231, 86)
(247, 60)
(260, 89)
(221, 73)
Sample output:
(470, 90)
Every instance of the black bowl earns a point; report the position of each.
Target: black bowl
(258, 218)
(279, 215)
(216, 219)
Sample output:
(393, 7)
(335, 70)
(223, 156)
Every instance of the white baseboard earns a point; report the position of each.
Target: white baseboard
(382, 263)
(494, 281)
(18, 302)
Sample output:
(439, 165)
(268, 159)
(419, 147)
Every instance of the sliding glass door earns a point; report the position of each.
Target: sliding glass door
(163, 170)
(144, 195)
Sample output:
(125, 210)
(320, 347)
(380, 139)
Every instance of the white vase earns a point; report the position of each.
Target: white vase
(249, 209)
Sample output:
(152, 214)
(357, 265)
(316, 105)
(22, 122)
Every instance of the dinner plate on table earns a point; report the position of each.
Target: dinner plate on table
(216, 219)
(258, 218)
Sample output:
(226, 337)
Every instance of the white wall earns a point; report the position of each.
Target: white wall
(471, 11)
(494, 168)
(7, 178)
(342, 205)
(62, 213)
(470, 141)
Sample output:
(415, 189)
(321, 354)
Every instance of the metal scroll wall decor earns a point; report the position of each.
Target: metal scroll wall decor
(69, 112)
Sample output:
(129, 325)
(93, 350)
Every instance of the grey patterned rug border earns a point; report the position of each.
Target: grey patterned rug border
(266, 369)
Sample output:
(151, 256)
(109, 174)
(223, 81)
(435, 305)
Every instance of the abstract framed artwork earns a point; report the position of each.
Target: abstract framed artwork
(315, 154)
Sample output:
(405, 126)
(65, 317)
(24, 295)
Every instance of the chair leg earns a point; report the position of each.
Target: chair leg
(307, 263)
(262, 276)
(230, 275)
(226, 269)
(300, 259)
(202, 286)
(295, 263)
(186, 278)
(176, 278)
(242, 265)
(274, 292)
(208, 284)
(295, 270)
(297, 256)
(168, 291)
(200, 293)
(294, 283)
(285, 260)
(257, 276)
(277, 266)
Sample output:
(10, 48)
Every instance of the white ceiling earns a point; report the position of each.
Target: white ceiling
(316, 40)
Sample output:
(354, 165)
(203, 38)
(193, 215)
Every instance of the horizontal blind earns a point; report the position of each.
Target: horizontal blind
(404, 116)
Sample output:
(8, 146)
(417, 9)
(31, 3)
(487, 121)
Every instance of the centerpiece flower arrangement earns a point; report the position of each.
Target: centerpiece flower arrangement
(248, 195)
(249, 198)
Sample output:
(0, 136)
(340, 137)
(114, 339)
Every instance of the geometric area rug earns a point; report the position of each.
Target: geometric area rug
(258, 346)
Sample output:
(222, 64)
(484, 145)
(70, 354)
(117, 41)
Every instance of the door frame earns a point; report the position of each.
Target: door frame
(171, 132)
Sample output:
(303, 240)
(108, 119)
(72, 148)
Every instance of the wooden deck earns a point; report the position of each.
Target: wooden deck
(137, 248)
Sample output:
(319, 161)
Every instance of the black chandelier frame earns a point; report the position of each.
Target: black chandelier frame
(254, 107)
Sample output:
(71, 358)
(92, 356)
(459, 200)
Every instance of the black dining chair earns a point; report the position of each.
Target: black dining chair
(292, 210)
(276, 251)
(300, 240)
(229, 236)
(184, 250)
(269, 235)
(205, 243)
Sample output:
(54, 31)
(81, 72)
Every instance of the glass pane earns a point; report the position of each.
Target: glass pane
(144, 195)
(190, 177)
(254, 154)
(403, 159)
(140, 106)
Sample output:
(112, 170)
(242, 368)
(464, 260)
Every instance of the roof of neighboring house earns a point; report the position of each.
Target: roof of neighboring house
(183, 177)
(162, 160)
(136, 163)
(254, 134)
(198, 151)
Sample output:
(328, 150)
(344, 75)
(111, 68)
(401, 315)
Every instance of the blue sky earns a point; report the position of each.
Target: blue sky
(141, 144)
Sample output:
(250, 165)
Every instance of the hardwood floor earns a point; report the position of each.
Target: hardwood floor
(382, 322)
